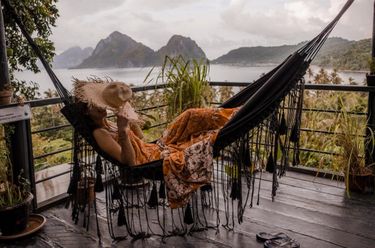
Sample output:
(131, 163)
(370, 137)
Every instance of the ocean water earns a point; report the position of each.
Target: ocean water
(136, 76)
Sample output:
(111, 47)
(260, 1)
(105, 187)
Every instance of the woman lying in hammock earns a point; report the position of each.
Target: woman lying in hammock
(185, 147)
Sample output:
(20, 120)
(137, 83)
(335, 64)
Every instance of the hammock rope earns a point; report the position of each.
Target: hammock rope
(264, 133)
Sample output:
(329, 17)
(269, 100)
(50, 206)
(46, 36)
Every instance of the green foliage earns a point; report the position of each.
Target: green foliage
(28, 90)
(10, 193)
(323, 77)
(44, 144)
(38, 16)
(353, 56)
(48, 141)
(152, 111)
(325, 123)
(187, 84)
(4, 156)
(371, 65)
(351, 143)
(225, 92)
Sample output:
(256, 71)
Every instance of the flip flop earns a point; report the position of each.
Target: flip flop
(263, 236)
(281, 243)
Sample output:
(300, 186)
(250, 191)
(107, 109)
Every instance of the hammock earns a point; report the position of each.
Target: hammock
(263, 133)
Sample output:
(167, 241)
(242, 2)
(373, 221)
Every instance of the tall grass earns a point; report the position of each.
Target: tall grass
(187, 84)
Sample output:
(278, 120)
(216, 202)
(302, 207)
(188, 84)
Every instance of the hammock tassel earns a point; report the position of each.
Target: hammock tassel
(162, 194)
(153, 200)
(245, 152)
(99, 170)
(75, 214)
(116, 194)
(296, 160)
(294, 134)
(206, 188)
(99, 183)
(73, 184)
(121, 216)
(188, 216)
(67, 203)
(270, 167)
(283, 128)
(236, 191)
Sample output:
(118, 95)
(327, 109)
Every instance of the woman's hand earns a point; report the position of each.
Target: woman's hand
(122, 119)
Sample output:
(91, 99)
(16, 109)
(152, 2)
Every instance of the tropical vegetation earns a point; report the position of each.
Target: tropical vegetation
(12, 190)
(187, 84)
(38, 16)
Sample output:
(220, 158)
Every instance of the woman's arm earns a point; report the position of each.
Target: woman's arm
(122, 151)
(136, 129)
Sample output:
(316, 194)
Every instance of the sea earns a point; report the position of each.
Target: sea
(137, 76)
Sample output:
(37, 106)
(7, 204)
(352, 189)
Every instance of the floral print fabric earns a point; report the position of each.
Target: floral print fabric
(186, 149)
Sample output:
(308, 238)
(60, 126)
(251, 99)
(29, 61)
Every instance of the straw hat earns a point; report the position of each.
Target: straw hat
(109, 95)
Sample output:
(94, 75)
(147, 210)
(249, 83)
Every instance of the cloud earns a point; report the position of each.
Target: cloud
(70, 8)
(217, 26)
(282, 21)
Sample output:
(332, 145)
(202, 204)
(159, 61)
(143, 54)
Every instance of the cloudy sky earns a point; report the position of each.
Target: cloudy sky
(216, 25)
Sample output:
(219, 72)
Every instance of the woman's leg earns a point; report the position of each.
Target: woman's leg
(194, 121)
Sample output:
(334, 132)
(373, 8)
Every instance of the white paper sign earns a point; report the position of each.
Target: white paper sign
(15, 113)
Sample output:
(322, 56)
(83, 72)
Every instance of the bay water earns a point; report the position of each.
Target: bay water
(136, 76)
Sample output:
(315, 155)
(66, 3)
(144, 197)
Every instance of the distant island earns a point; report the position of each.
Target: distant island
(336, 53)
(121, 51)
(71, 57)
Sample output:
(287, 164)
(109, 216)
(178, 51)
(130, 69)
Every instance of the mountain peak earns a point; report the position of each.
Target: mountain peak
(181, 45)
(116, 33)
(119, 35)
(71, 57)
(177, 37)
(119, 50)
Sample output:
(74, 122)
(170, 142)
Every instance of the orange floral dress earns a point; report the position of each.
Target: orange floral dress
(186, 150)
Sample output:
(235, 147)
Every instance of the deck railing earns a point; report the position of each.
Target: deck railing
(309, 87)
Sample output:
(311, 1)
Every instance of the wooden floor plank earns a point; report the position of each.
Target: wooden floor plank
(314, 211)
(358, 226)
(319, 232)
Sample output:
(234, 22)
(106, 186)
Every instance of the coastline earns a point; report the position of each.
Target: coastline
(136, 75)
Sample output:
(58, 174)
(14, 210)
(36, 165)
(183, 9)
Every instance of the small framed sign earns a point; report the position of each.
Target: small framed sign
(15, 113)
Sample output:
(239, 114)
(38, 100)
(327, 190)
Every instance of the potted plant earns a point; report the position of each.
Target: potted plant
(15, 197)
(359, 176)
(6, 94)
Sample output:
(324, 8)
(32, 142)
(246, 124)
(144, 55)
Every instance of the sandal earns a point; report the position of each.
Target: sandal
(263, 236)
(281, 243)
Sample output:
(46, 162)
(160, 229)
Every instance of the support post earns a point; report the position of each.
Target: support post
(4, 72)
(20, 141)
(370, 151)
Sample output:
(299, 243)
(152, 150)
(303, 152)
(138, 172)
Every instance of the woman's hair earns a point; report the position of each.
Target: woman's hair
(83, 110)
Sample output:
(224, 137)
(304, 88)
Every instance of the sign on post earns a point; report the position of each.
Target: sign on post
(15, 113)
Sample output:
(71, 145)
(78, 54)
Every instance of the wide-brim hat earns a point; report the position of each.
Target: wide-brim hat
(105, 94)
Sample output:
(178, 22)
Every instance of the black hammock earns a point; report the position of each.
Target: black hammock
(263, 133)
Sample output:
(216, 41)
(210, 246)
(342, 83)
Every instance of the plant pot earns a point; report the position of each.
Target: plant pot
(85, 191)
(14, 219)
(362, 183)
(5, 97)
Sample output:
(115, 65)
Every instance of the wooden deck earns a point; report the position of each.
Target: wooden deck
(314, 211)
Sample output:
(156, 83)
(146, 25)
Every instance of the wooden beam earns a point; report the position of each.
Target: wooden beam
(4, 72)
